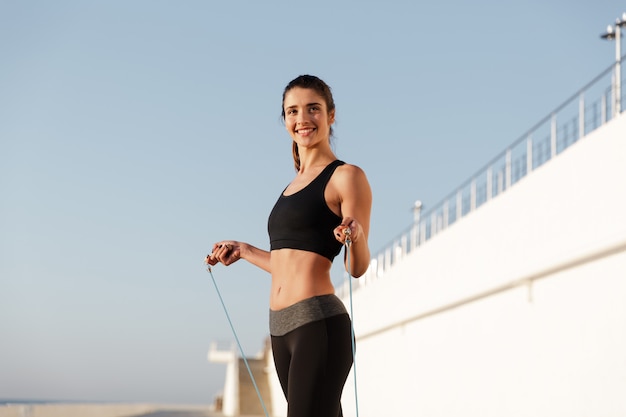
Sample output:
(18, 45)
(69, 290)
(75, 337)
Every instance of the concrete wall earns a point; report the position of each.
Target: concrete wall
(231, 389)
(518, 309)
(279, 404)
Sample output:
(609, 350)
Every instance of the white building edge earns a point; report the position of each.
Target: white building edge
(509, 297)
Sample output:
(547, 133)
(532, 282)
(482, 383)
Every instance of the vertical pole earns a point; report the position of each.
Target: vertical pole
(581, 116)
(489, 183)
(529, 154)
(473, 195)
(417, 211)
(507, 174)
(397, 250)
(433, 224)
(553, 136)
(387, 262)
(414, 234)
(403, 246)
(613, 94)
(618, 69)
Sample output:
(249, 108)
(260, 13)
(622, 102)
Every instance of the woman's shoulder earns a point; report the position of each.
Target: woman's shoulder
(349, 169)
(350, 173)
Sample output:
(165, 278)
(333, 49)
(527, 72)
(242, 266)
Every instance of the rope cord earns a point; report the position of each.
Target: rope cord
(238, 343)
(349, 262)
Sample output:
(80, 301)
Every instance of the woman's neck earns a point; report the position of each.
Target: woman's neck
(311, 159)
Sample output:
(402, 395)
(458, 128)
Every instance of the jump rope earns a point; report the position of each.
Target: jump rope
(348, 243)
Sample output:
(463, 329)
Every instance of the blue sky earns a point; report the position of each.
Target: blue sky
(134, 134)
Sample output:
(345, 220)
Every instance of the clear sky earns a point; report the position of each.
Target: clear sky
(134, 134)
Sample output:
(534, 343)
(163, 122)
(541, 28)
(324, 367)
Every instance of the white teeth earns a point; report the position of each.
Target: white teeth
(304, 131)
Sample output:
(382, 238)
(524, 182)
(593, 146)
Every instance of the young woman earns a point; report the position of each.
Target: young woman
(326, 203)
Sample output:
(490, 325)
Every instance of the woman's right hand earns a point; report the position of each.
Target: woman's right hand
(225, 252)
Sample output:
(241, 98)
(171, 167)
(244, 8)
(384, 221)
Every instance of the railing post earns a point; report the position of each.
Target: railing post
(618, 70)
(529, 154)
(613, 95)
(395, 248)
(417, 211)
(387, 259)
(459, 204)
(433, 224)
(473, 195)
(380, 266)
(603, 109)
(446, 208)
(553, 136)
(489, 183)
(581, 116)
(507, 169)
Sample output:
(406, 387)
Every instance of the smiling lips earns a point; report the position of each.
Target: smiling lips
(305, 132)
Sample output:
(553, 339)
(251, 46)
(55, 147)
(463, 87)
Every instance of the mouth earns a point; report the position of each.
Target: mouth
(305, 132)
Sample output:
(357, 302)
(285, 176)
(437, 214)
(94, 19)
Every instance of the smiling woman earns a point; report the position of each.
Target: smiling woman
(315, 96)
(326, 203)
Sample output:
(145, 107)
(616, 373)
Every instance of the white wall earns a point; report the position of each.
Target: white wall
(556, 347)
(230, 404)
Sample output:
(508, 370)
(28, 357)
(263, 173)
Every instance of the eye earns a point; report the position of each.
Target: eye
(291, 112)
(314, 109)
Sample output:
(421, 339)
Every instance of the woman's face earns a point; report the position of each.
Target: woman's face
(306, 117)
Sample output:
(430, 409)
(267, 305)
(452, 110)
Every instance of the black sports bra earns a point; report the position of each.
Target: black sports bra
(304, 221)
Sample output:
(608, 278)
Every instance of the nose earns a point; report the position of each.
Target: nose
(301, 117)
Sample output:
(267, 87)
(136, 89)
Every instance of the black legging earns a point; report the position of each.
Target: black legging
(313, 362)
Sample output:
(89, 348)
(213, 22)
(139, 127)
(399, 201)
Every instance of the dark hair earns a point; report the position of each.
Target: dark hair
(321, 88)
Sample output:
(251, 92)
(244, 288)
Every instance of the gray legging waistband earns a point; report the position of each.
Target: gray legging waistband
(306, 311)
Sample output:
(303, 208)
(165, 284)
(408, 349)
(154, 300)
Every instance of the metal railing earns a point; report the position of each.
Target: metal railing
(591, 107)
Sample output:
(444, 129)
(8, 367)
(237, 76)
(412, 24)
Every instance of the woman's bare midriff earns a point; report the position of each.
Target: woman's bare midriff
(298, 275)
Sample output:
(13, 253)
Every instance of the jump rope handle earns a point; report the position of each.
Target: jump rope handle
(348, 234)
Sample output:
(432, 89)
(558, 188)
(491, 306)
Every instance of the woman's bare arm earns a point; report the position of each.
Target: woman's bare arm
(356, 204)
(228, 252)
